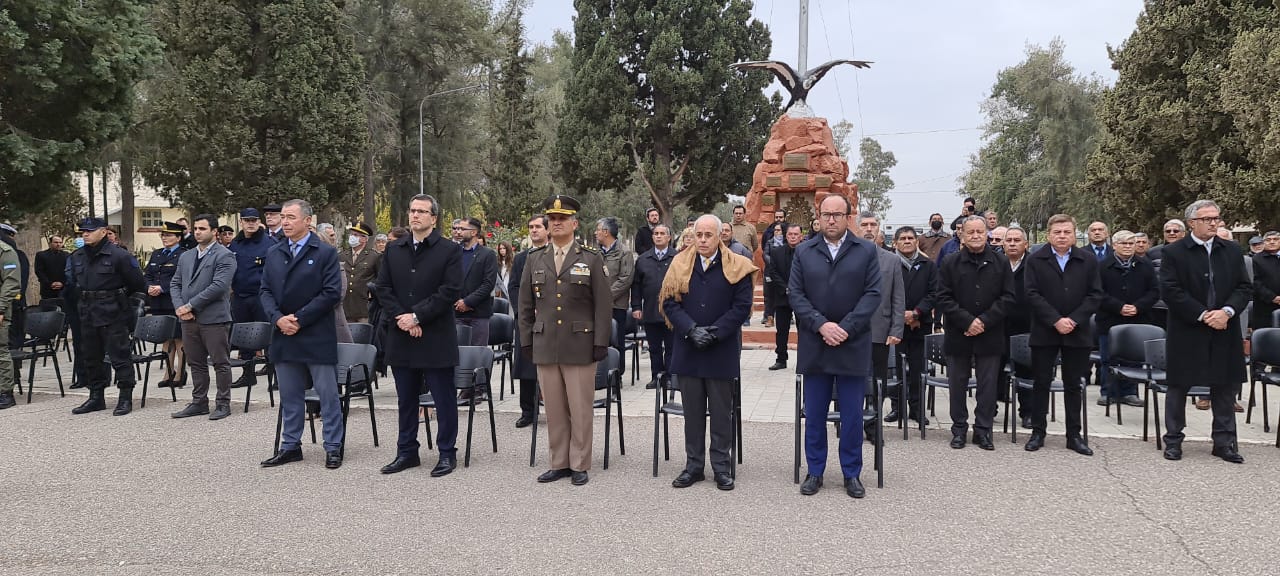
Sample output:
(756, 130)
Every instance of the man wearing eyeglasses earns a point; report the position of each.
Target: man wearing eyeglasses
(1173, 230)
(1202, 279)
(479, 275)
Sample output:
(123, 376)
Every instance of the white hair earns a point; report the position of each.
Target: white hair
(1199, 205)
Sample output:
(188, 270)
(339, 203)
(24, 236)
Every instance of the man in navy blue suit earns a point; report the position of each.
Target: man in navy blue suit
(834, 291)
(301, 287)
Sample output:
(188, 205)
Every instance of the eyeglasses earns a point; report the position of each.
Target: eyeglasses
(1209, 219)
(832, 215)
(1172, 231)
(418, 211)
(463, 229)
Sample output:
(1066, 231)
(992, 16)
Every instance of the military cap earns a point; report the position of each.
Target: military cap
(173, 228)
(250, 213)
(8, 228)
(361, 228)
(91, 224)
(561, 204)
(225, 228)
(272, 208)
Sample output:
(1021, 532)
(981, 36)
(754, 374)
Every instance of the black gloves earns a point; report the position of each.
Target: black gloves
(599, 352)
(702, 337)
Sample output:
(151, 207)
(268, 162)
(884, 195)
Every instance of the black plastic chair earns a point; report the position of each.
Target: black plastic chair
(665, 405)
(1275, 319)
(464, 333)
(1265, 345)
(629, 342)
(1126, 357)
(501, 306)
(609, 379)
(1020, 357)
(935, 357)
(501, 336)
(251, 336)
(157, 331)
(833, 416)
(1157, 383)
(43, 329)
(361, 332)
(355, 378)
(475, 365)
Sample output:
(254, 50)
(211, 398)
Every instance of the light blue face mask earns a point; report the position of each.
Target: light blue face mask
(79, 243)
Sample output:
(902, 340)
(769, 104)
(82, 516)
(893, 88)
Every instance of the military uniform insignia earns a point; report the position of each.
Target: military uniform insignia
(581, 269)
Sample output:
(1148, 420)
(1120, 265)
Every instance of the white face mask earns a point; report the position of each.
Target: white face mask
(79, 243)
(353, 240)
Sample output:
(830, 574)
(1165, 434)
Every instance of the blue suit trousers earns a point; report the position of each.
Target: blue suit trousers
(817, 398)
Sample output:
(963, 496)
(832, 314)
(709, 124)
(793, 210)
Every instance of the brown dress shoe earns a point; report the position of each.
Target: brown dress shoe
(1238, 407)
(1203, 404)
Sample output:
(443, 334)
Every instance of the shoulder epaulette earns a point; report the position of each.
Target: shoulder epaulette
(538, 248)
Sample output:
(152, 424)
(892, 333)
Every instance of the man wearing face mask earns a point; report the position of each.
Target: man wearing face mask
(362, 268)
(933, 239)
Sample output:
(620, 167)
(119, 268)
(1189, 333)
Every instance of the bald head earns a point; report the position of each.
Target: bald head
(706, 235)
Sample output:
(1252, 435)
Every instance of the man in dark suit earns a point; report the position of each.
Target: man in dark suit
(201, 294)
(479, 266)
(644, 235)
(706, 295)
(1063, 291)
(886, 324)
(1017, 319)
(159, 275)
(920, 284)
(1130, 290)
(301, 289)
(50, 268)
(975, 291)
(418, 284)
(522, 367)
(1266, 281)
(1098, 245)
(1202, 279)
(778, 275)
(651, 267)
(834, 290)
(565, 309)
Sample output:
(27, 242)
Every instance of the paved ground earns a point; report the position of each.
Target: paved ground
(144, 494)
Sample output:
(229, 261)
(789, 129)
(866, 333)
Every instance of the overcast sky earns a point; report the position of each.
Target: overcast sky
(935, 62)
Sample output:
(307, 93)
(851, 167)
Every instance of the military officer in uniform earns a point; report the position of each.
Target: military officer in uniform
(105, 275)
(159, 274)
(565, 313)
(10, 282)
(362, 268)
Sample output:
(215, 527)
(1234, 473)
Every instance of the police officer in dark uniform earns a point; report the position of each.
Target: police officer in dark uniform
(274, 230)
(159, 273)
(250, 247)
(105, 276)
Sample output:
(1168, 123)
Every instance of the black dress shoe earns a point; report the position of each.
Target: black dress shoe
(95, 403)
(124, 405)
(192, 409)
(1228, 453)
(525, 421)
(1034, 443)
(983, 440)
(1026, 422)
(1172, 452)
(7, 401)
(77, 384)
(811, 485)
(1079, 445)
(553, 475)
(653, 384)
(401, 463)
(687, 479)
(724, 481)
(444, 466)
(854, 488)
(333, 459)
(579, 478)
(918, 419)
(167, 384)
(779, 365)
(892, 416)
(284, 457)
(957, 441)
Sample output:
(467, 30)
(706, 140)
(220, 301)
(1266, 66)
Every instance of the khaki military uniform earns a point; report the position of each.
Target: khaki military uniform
(565, 314)
(361, 270)
(10, 285)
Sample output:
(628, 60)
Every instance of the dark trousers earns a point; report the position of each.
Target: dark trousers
(1075, 367)
(100, 344)
(620, 316)
(528, 398)
(699, 394)
(782, 322)
(914, 349)
(879, 361)
(204, 344)
(660, 338)
(770, 300)
(817, 398)
(986, 373)
(409, 385)
(1223, 399)
(247, 309)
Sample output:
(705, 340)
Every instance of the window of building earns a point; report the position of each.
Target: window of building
(150, 218)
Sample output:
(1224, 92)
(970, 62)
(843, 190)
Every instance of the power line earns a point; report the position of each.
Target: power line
(939, 131)
(857, 79)
(831, 56)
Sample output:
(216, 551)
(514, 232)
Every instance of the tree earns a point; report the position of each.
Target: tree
(264, 104)
(652, 96)
(1039, 132)
(1187, 117)
(67, 71)
(840, 133)
(872, 177)
(512, 188)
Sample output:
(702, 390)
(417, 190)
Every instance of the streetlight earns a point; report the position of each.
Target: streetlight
(421, 172)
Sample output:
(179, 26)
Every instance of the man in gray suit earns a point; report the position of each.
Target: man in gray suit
(887, 323)
(201, 292)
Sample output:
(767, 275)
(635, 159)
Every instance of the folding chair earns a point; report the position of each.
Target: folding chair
(501, 336)
(1126, 357)
(251, 336)
(608, 378)
(1265, 345)
(665, 405)
(361, 332)
(1157, 383)
(154, 330)
(833, 416)
(475, 365)
(44, 329)
(935, 357)
(1020, 357)
(355, 378)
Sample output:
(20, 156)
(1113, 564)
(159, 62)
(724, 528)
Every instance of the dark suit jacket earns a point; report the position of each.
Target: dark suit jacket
(521, 367)
(1137, 286)
(844, 290)
(920, 288)
(310, 287)
(644, 239)
(1108, 253)
(477, 285)
(1199, 355)
(425, 282)
(778, 270)
(1053, 293)
(1018, 319)
(647, 282)
(974, 286)
(50, 267)
(1266, 285)
(711, 302)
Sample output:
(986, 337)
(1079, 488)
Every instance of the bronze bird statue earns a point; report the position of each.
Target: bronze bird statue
(796, 84)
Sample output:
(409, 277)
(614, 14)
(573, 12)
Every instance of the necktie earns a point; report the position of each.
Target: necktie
(295, 248)
(1213, 298)
(559, 259)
